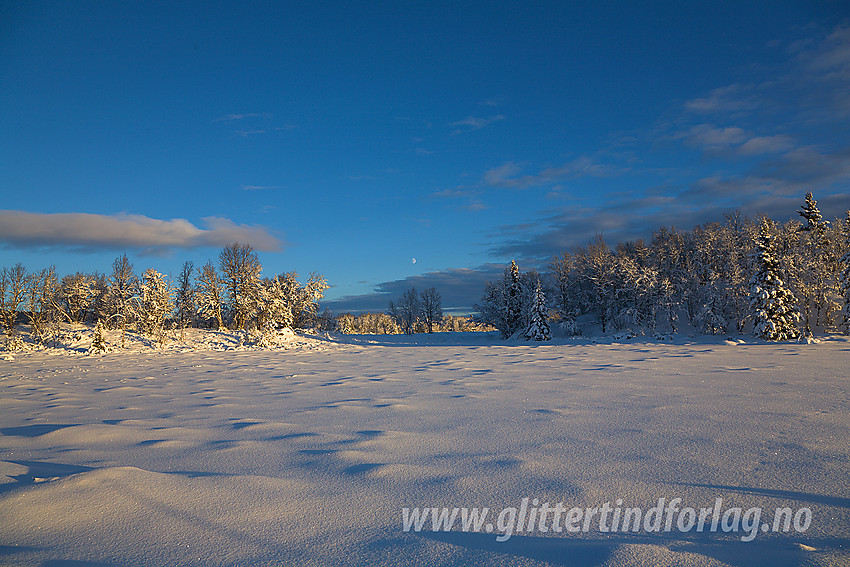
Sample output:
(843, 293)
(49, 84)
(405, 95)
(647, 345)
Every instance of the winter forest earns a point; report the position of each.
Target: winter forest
(778, 281)
(231, 296)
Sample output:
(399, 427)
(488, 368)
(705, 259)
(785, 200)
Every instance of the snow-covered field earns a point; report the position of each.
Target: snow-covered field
(307, 455)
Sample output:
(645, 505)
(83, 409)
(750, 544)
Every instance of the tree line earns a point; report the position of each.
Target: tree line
(378, 323)
(777, 280)
(411, 313)
(230, 295)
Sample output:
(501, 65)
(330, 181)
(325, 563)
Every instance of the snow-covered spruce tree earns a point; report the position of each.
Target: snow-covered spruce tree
(98, 343)
(772, 304)
(156, 301)
(514, 296)
(501, 304)
(538, 330)
(813, 216)
(527, 284)
(815, 278)
(844, 278)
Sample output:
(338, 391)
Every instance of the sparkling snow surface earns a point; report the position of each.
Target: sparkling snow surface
(306, 456)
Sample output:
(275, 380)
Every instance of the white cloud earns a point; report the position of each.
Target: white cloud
(260, 187)
(234, 117)
(712, 137)
(472, 123)
(832, 58)
(86, 231)
(507, 175)
(732, 98)
(765, 145)
(492, 102)
(474, 205)
(471, 196)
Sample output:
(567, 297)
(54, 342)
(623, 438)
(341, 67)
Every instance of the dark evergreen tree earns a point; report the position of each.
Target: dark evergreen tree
(98, 344)
(514, 307)
(815, 277)
(538, 330)
(501, 304)
(771, 303)
(844, 278)
(810, 212)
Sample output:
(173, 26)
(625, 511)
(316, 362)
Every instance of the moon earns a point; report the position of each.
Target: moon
(413, 260)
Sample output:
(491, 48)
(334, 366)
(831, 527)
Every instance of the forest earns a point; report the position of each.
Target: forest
(775, 280)
(232, 295)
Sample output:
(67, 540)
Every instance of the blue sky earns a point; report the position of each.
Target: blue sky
(349, 138)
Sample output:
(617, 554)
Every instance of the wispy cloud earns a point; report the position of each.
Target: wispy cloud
(775, 187)
(827, 69)
(765, 145)
(237, 117)
(457, 192)
(91, 232)
(814, 86)
(492, 102)
(510, 174)
(474, 205)
(253, 124)
(462, 193)
(734, 140)
(732, 98)
(712, 137)
(260, 187)
(472, 123)
(831, 58)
